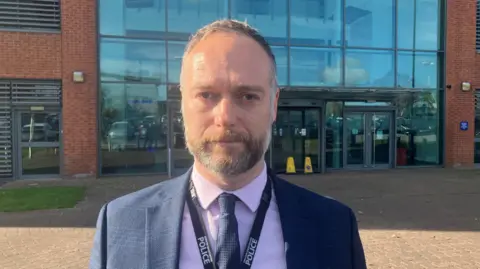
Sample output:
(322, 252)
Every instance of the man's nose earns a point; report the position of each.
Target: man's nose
(225, 113)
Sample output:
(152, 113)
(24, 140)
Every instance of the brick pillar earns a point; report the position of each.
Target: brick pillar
(79, 53)
(460, 66)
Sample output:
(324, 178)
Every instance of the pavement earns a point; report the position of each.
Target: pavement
(408, 218)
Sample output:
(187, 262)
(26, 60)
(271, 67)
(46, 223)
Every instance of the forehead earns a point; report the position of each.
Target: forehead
(228, 57)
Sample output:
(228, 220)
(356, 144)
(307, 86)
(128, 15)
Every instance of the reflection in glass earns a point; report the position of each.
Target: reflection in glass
(181, 157)
(311, 142)
(417, 70)
(316, 22)
(427, 26)
(418, 129)
(40, 161)
(132, 60)
(405, 24)
(355, 136)
(268, 16)
(369, 68)
(133, 128)
(175, 54)
(366, 103)
(315, 67)
(40, 127)
(334, 135)
(418, 24)
(282, 145)
(187, 16)
(282, 64)
(380, 126)
(297, 147)
(369, 23)
(132, 17)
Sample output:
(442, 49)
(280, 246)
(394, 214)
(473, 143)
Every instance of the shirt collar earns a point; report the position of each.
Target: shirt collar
(250, 194)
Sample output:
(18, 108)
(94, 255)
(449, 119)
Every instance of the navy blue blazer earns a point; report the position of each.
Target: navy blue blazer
(143, 229)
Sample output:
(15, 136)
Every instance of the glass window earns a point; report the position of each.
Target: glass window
(418, 24)
(418, 141)
(40, 161)
(426, 32)
(316, 22)
(315, 66)
(175, 54)
(132, 60)
(369, 68)
(132, 17)
(369, 23)
(40, 127)
(268, 16)
(417, 70)
(334, 134)
(405, 24)
(133, 128)
(186, 17)
(281, 60)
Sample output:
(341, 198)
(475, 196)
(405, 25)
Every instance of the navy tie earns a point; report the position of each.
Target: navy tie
(228, 247)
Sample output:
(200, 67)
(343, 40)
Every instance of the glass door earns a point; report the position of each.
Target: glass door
(355, 126)
(368, 139)
(37, 144)
(380, 139)
(180, 158)
(312, 137)
(296, 134)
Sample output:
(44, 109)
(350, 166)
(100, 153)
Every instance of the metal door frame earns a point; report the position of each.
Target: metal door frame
(320, 134)
(367, 145)
(171, 106)
(17, 144)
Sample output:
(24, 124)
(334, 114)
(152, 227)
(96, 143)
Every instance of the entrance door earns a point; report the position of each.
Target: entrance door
(37, 144)
(296, 134)
(368, 139)
(180, 158)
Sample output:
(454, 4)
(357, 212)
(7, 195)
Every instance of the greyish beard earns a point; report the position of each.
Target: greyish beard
(231, 162)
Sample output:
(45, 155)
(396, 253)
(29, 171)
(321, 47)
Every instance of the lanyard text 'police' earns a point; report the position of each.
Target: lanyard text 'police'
(202, 239)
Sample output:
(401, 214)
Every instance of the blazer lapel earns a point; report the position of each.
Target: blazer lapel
(299, 233)
(164, 224)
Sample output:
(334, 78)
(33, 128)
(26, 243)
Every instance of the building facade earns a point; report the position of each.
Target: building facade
(90, 88)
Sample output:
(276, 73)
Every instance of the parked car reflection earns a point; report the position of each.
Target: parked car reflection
(119, 134)
(40, 127)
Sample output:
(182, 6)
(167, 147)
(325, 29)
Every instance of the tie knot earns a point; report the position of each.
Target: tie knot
(226, 202)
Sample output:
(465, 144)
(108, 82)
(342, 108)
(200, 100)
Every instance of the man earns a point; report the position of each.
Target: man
(228, 211)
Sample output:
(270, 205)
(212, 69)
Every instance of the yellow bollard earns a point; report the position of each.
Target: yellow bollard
(308, 166)
(291, 166)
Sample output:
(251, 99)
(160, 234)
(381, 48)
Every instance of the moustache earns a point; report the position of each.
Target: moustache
(227, 137)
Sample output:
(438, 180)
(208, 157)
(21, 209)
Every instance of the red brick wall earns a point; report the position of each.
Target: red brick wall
(30, 55)
(56, 56)
(79, 100)
(462, 65)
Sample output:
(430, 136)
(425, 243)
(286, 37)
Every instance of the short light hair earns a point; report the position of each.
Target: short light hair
(234, 26)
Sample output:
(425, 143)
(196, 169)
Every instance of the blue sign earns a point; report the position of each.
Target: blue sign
(464, 125)
(145, 101)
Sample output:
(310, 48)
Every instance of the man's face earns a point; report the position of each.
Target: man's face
(227, 102)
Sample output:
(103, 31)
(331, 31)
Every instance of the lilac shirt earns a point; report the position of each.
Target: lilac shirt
(270, 251)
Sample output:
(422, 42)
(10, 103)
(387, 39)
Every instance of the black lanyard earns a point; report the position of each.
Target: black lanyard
(202, 239)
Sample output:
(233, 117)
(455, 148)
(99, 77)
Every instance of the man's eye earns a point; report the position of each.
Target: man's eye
(250, 97)
(206, 95)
